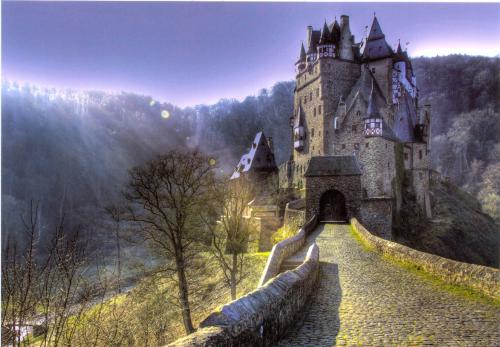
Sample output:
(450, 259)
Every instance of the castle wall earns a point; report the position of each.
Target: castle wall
(421, 176)
(318, 92)
(349, 186)
(378, 166)
(376, 215)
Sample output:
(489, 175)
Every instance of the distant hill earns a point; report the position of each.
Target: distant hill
(72, 150)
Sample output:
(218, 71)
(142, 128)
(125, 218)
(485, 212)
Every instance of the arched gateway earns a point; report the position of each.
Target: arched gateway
(332, 206)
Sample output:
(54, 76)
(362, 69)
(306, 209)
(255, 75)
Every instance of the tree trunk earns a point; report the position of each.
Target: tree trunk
(234, 271)
(184, 295)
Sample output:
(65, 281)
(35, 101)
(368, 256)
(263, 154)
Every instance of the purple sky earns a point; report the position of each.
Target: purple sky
(191, 53)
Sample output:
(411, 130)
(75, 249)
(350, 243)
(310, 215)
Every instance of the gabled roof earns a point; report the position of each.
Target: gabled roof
(362, 90)
(336, 165)
(260, 157)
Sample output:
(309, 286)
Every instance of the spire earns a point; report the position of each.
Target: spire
(399, 50)
(375, 31)
(325, 34)
(372, 111)
(302, 56)
(335, 31)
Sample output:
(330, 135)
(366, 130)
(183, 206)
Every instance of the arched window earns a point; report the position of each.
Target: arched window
(336, 123)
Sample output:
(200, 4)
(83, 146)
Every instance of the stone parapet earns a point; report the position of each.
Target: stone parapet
(261, 317)
(482, 279)
(285, 249)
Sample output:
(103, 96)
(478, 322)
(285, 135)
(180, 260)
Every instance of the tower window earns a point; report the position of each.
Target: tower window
(319, 109)
(312, 132)
(343, 146)
(420, 154)
(310, 96)
(358, 113)
(354, 128)
(356, 146)
(367, 145)
(406, 156)
(319, 133)
(373, 69)
(314, 112)
(317, 92)
(305, 99)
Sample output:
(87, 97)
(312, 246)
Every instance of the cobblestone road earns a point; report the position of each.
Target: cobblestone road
(364, 300)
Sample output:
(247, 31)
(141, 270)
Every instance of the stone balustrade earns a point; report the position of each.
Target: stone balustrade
(285, 249)
(264, 315)
(482, 279)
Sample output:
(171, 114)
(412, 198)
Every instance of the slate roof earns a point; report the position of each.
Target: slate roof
(336, 165)
(405, 120)
(314, 40)
(374, 46)
(259, 149)
(325, 34)
(302, 56)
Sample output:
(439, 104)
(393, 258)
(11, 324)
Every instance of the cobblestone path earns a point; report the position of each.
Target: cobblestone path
(364, 300)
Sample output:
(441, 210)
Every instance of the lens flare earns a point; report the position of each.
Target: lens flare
(152, 103)
(165, 114)
(212, 161)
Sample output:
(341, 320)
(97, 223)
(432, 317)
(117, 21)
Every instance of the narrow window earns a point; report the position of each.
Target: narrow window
(373, 69)
(356, 146)
(305, 99)
(317, 92)
(312, 132)
(343, 146)
(336, 123)
(367, 145)
(310, 96)
(314, 112)
(319, 109)
(319, 133)
(354, 128)
(406, 156)
(420, 154)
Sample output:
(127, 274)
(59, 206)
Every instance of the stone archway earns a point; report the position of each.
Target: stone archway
(332, 206)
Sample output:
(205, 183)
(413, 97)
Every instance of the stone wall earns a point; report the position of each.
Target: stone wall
(261, 317)
(376, 215)
(482, 279)
(349, 186)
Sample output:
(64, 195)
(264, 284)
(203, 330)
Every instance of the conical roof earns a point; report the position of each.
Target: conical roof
(325, 34)
(302, 56)
(375, 31)
(336, 31)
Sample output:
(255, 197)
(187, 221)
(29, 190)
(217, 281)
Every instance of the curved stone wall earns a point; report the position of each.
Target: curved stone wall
(261, 317)
(483, 279)
(285, 249)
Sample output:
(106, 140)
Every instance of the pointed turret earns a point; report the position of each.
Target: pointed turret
(300, 65)
(335, 32)
(375, 31)
(374, 45)
(325, 35)
(302, 56)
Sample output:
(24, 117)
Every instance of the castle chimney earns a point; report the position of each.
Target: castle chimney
(344, 20)
(346, 39)
(309, 35)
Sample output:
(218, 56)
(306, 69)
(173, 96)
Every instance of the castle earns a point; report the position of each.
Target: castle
(360, 139)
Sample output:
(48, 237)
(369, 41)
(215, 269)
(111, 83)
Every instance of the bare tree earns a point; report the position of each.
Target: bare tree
(231, 234)
(166, 196)
(116, 212)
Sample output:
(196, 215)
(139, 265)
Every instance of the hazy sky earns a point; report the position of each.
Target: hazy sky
(191, 53)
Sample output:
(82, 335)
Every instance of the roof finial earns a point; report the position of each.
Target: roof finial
(374, 14)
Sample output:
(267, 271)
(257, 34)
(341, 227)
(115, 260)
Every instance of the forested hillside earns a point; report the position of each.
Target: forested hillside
(71, 151)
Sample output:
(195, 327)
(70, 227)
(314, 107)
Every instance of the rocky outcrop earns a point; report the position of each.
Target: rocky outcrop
(482, 279)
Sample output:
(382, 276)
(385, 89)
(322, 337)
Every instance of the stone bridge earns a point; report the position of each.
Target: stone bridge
(360, 295)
